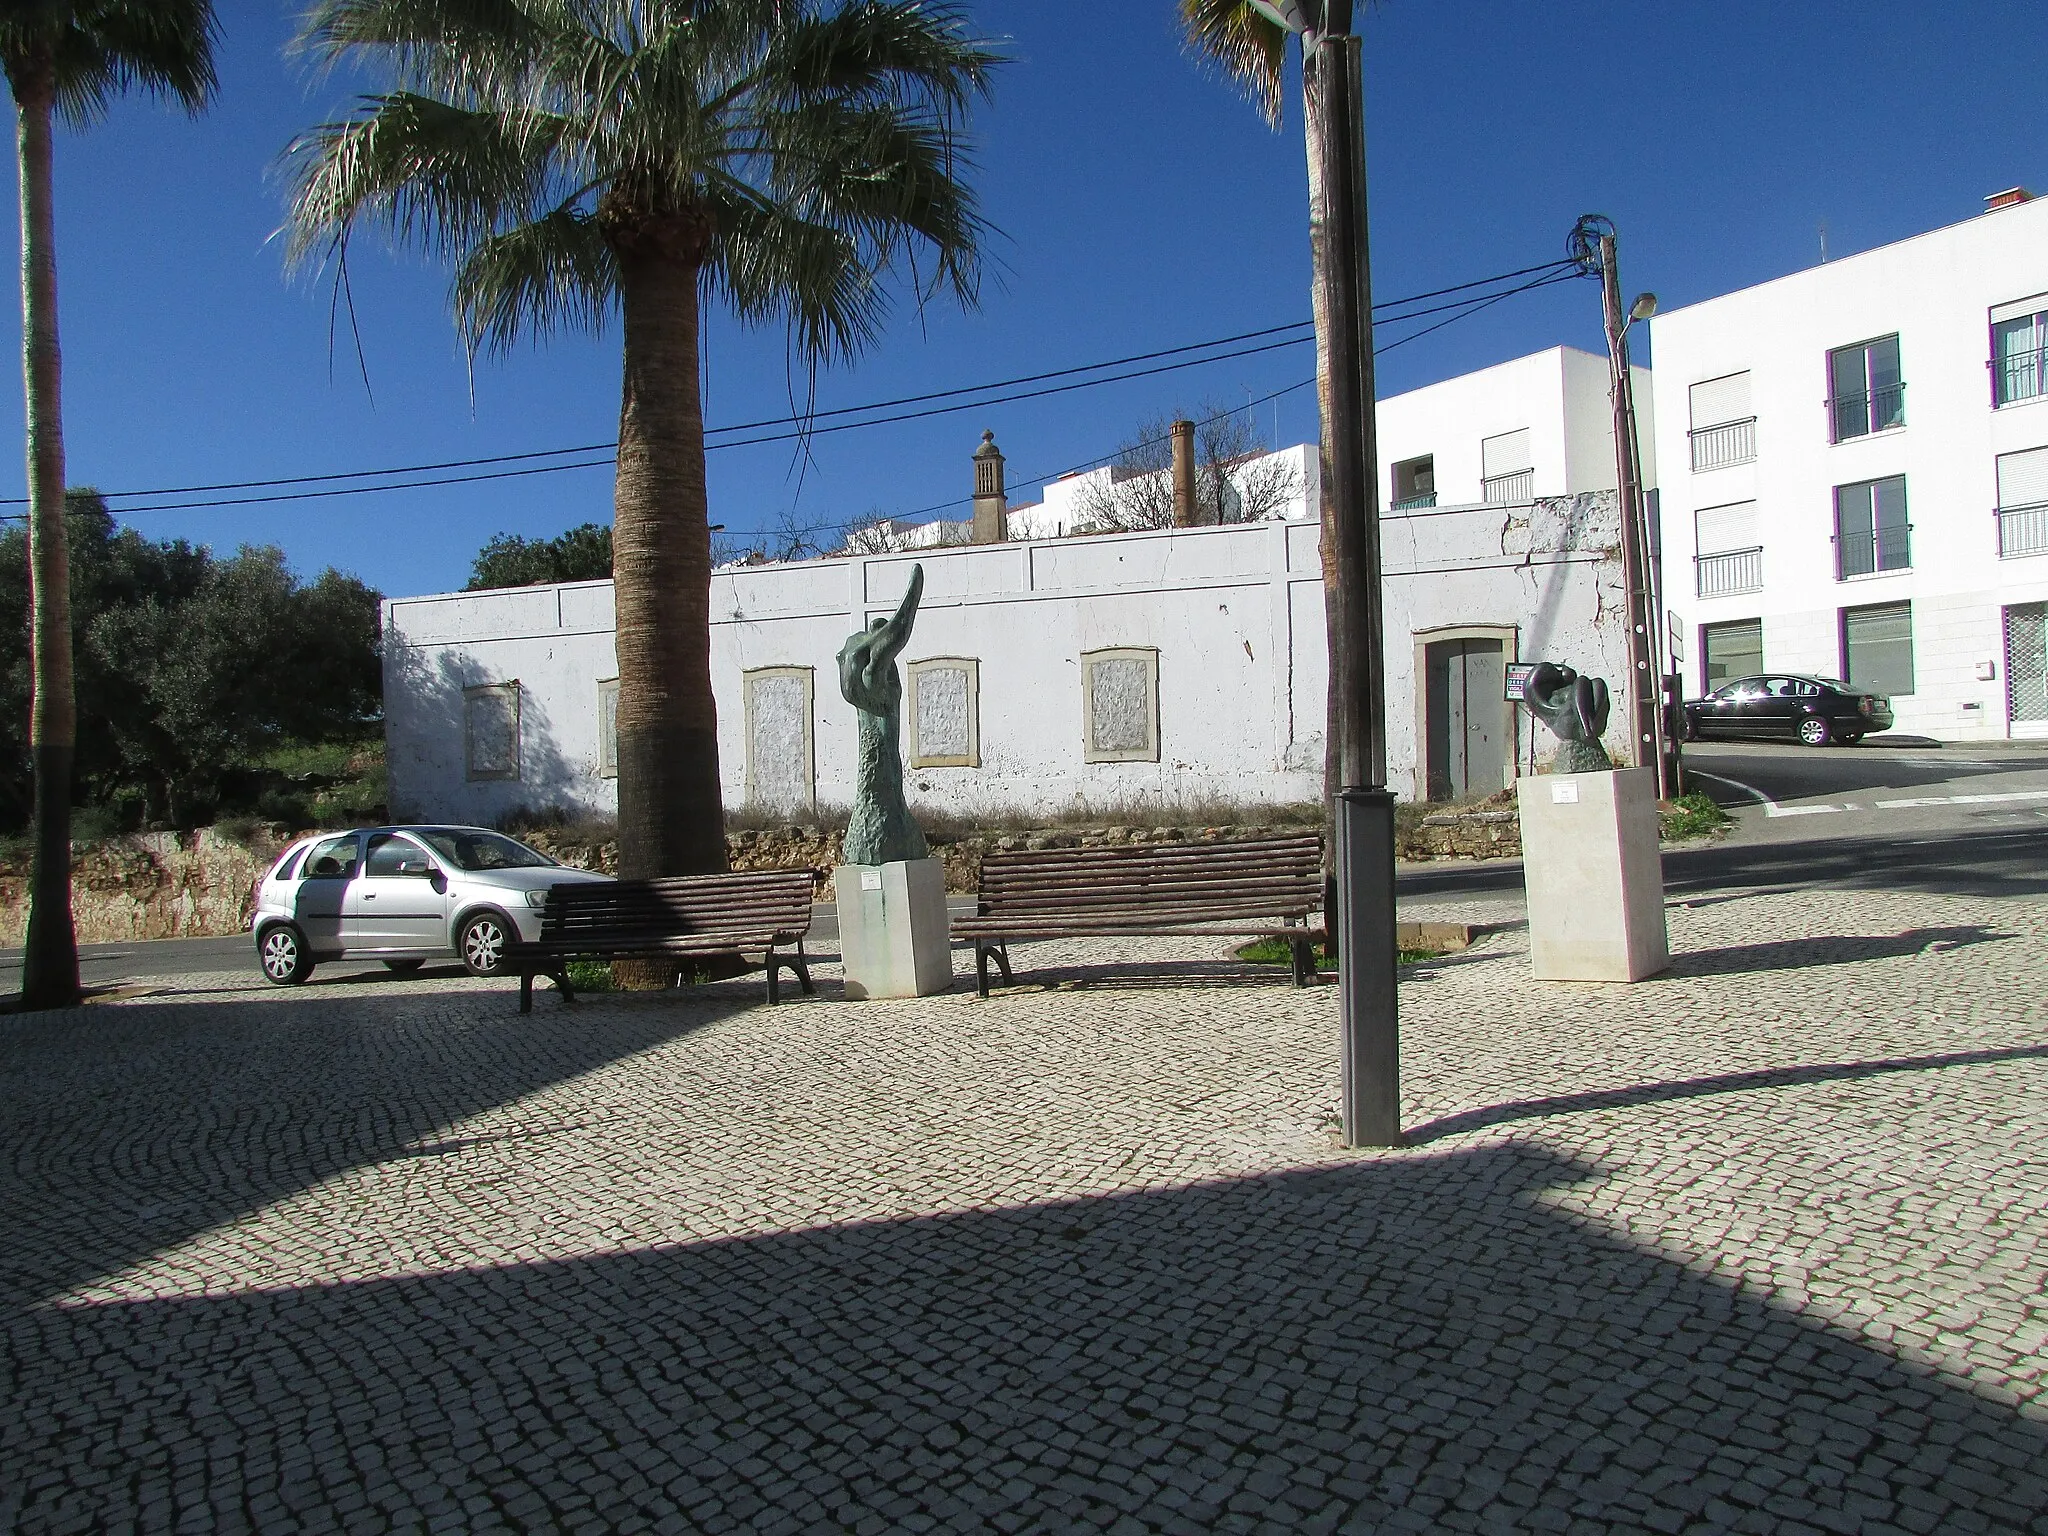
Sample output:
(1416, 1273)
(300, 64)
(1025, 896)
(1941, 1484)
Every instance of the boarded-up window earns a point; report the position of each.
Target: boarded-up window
(608, 728)
(2023, 478)
(1722, 529)
(780, 768)
(1715, 402)
(490, 725)
(945, 709)
(1120, 705)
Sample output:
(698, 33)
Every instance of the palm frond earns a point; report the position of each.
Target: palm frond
(553, 274)
(437, 176)
(96, 52)
(1248, 47)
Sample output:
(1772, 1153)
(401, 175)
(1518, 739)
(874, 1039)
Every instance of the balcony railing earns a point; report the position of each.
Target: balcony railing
(1729, 442)
(2023, 530)
(1865, 554)
(1505, 490)
(1733, 570)
(1875, 410)
(1409, 503)
(2019, 376)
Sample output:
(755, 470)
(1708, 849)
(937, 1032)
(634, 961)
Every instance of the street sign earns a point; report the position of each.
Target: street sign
(1677, 634)
(1518, 680)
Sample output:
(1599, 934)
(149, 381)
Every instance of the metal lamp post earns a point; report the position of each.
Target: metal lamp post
(1363, 923)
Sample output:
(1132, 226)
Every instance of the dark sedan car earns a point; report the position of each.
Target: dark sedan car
(1815, 710)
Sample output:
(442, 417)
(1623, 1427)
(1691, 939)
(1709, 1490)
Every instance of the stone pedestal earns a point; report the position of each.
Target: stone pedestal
(893, 928)
(1594, 877)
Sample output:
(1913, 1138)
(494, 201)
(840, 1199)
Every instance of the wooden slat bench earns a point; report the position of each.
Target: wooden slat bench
(1258, 889)
(681, 916)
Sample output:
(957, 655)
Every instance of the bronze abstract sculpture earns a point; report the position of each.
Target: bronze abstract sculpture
(1575, 709)
(881, 830)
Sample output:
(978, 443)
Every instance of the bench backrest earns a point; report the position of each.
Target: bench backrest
(758, 901)
(1277, 876)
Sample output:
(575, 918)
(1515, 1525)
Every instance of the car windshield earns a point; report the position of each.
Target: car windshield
(474, 851)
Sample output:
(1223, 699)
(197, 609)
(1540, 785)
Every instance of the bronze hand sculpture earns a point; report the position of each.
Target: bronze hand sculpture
(1575, 709)
(881, 830)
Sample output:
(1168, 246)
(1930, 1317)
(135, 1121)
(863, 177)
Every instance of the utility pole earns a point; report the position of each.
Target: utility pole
(1593, 242)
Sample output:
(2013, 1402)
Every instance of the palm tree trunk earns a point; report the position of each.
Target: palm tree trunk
(671, 818)
(1318, 214)
(50, 964)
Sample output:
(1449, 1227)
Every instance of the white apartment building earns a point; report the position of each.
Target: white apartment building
(1537, 426)
(1856, 475)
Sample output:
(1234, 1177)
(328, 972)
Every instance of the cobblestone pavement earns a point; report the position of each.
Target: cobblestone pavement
(1757, 1246)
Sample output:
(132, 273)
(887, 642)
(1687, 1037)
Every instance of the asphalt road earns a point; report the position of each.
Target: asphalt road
(1915, 815)
(1876, 790)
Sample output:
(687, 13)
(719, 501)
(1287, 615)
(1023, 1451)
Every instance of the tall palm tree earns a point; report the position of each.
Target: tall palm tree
(1251, 48)
(576, 157)
(69, 59)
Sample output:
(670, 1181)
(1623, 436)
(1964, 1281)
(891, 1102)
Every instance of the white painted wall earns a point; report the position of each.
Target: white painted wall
(1559, 395)
(1235, 612)
(1935, 291)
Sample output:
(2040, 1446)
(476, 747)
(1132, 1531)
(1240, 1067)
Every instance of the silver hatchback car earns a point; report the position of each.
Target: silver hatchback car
(403, 895)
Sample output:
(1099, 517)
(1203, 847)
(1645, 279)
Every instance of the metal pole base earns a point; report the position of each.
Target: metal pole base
(1367, 955)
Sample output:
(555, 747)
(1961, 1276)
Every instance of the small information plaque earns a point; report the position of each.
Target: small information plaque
(1564, 792)
(871, 879)
(1518, 680)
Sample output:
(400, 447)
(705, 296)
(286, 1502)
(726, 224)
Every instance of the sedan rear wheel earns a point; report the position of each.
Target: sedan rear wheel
(283, 955)
(482, 944)
(1815, 732)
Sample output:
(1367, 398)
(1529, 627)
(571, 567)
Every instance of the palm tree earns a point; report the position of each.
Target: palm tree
(572, 157)
(1251, 48)
(69, 59)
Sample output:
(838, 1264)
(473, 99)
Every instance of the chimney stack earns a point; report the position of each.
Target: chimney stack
(2011, 197)
(991, 499)
(1184, 509)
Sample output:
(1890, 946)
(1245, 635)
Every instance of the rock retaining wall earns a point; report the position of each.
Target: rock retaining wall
(169, 885)
(154, 885)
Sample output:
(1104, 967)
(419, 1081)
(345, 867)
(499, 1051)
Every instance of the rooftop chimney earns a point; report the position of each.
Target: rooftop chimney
(1184, 510)
(991, 499)
(2011, 197)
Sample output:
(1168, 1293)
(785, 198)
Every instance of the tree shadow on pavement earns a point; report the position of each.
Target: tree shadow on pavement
(1827, 949)
(1415, 1342)
(126, 1130)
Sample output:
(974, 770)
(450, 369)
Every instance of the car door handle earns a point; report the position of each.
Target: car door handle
(369, 895)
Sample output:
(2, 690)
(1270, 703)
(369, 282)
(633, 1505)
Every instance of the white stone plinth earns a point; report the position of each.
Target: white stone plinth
(892, 928)
(1594, 876)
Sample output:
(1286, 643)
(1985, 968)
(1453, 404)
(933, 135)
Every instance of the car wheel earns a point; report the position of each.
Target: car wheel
(482, 944)
(282, 952)
(404, 967)
(1688, 730)
(1814, 731)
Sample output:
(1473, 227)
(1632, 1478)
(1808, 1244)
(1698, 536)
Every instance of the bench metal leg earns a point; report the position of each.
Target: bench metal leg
(561, 981)
(1304, 954)
(772, 963)
(801, 965)
(526, 991)
(983, 953)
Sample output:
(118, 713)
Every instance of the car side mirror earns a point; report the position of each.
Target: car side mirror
(415, 867)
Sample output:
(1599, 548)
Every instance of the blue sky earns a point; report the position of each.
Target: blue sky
(1141, 204)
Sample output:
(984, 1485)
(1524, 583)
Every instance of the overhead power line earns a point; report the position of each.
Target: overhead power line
(804, 427)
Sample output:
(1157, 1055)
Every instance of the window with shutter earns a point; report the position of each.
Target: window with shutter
(1508, 465)
(1716, 402)
(2023, 503)
(1722, 529)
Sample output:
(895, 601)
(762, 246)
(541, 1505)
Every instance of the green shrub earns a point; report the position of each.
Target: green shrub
(590, 975)
(1692, 815)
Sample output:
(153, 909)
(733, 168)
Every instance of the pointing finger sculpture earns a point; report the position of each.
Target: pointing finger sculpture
(1575, 709)
(881, 830)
